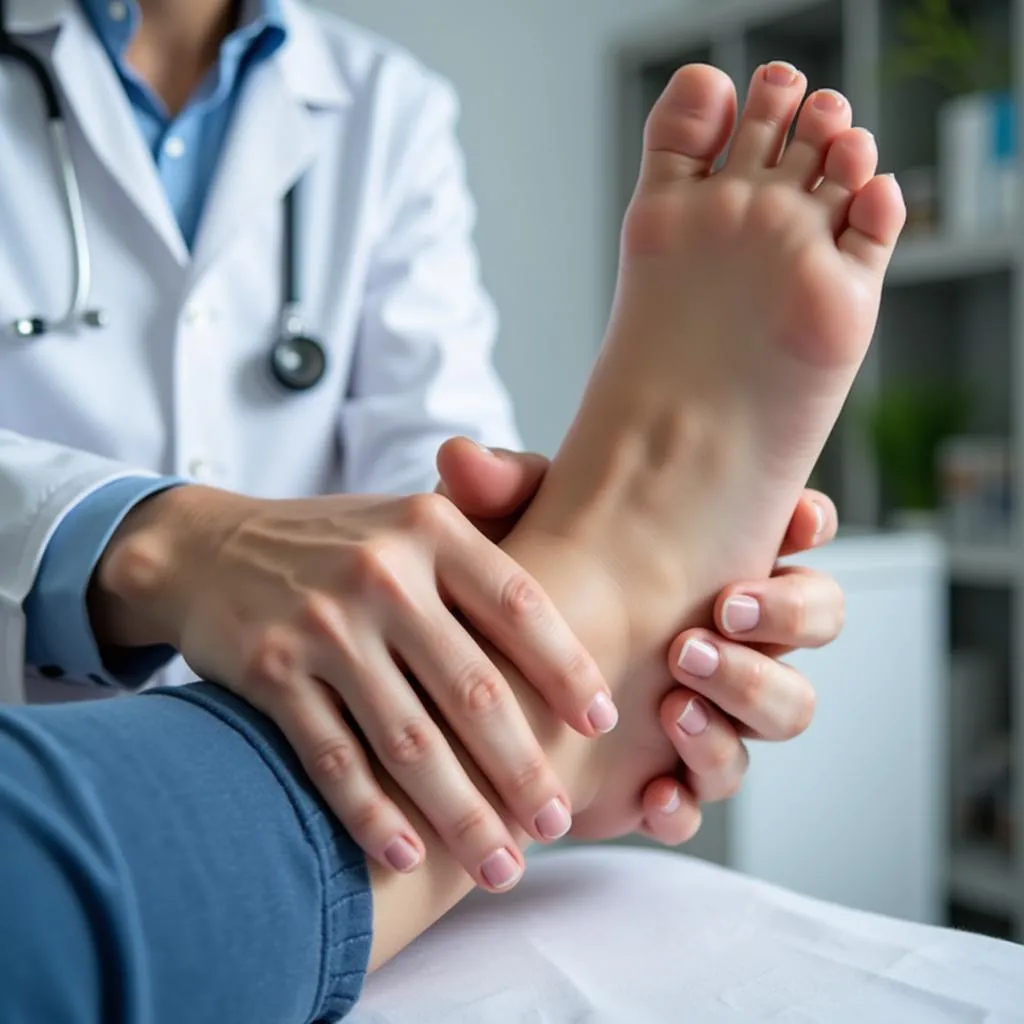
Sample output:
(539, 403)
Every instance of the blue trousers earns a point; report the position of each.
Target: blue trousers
(164, 860)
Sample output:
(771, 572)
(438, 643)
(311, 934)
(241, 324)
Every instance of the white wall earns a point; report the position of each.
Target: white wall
(538, 128)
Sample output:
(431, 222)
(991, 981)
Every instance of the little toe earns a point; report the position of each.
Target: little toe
(775, 94)
(850, 164)
(876, 218)
(689, 125)
(825, 116)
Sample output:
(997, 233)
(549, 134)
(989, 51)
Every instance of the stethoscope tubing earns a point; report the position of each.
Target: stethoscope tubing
(297, 360)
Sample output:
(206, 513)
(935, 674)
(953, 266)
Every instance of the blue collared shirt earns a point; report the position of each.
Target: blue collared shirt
(186, 149)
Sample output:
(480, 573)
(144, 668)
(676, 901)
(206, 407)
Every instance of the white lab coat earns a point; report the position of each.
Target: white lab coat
(177, 382)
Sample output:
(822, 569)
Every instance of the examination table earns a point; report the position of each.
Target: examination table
(624, 936)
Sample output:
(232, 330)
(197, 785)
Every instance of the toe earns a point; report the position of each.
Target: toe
(876, 218)
(850, 164)
(689, 125)
(775, 95)
(825, 115)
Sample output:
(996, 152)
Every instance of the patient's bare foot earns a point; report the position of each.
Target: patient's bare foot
(746, 302)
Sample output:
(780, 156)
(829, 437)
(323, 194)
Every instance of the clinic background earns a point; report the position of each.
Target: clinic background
(901, 798)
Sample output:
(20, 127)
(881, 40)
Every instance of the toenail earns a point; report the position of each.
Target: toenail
(694, 720)
(699, 659)
(553, 821)
(780, 73)
(500, 870)
(741, 614)
(829, 101)
(671, 805)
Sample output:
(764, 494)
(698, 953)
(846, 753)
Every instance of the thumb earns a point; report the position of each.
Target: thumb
(488, 484)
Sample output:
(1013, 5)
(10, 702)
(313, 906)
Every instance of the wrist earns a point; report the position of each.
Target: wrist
(139, 590)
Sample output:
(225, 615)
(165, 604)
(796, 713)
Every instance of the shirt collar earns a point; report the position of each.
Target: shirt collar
(310, 67)
(116, 21)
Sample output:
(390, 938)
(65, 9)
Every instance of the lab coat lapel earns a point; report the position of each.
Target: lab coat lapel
(272, 141)
(287, 107)
(97, 101)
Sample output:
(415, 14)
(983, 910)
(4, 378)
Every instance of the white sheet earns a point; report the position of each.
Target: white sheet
(634, 937)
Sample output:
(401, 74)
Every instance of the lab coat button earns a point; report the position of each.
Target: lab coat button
(193, 314)
(117, 10)
(174, 147)
(200, 469)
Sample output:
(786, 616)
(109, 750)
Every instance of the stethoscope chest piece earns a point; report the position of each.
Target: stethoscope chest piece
(298, 362)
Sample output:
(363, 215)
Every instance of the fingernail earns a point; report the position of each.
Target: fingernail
(819, 515)
(602, 714)
(482, 448)
(671, 805)
(500, 870)
(402, 855)
(694, 719)
(741, 614)
(829, 100)
(554, 821)
(780, 73)
(699, 658)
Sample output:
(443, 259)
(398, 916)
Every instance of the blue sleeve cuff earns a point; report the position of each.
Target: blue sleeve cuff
(59, 638)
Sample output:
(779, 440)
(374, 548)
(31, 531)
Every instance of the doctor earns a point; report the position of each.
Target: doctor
(257, 286)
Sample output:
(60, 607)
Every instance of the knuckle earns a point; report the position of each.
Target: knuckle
(480, 690)
(528, 778)
(521, 598)
(273, 661)
(576, 674)
(793, 610)
(318, 616)
(366, 817)
(428, 513)
(469, 823)
(751, 684)
(410, 744)
(720, 758)
(372, 567)
(334, 764)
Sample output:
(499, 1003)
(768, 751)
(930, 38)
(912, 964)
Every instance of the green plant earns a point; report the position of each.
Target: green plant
(939, 46)
(906, 424)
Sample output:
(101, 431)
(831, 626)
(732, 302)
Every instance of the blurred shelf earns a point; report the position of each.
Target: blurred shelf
(661, 38)
(984, 877)
(922, 260)
(984, 564)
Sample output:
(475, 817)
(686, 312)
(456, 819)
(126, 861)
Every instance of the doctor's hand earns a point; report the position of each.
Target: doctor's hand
(733, 686)
(314, 610)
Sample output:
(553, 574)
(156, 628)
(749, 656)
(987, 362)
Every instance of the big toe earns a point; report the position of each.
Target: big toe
(689, 125)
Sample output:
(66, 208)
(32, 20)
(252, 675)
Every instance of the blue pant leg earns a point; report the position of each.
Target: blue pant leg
(163, 859)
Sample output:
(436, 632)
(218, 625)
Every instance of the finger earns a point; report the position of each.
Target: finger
(333, 758)
(477, 703)
(814, 524)
(510, 609)
(488, 484)
(671, 813)
(770, 699)
(795, 608)
(413, 750)
(708, 744)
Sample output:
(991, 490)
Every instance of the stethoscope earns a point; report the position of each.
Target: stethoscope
(297, 360)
